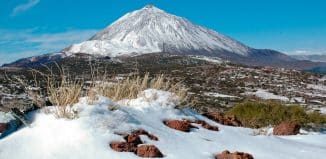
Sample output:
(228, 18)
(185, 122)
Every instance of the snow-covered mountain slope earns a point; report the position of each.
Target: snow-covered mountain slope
(89, 135)
(151, 30)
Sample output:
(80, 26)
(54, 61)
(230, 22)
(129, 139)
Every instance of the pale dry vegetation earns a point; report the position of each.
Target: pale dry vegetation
(63, 90)
(130, 87)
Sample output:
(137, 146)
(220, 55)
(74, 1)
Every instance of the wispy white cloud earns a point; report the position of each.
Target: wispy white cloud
(16, 44)
(306, 52)
(24, 7)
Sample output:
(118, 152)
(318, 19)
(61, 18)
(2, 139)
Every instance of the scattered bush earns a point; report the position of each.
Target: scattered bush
(261, 114)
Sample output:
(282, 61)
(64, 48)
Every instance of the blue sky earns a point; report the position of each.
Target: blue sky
(31, 27)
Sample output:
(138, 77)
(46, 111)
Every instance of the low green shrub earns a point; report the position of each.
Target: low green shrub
(261, 114)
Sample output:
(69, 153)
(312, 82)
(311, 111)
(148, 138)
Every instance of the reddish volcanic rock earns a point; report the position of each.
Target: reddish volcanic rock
(287, 128)
(148, 151)
(143, 132)
(181, 125)
(133, 138)
(229, 120)
(236, 155)
(3, 127)
(123, 146)
(206, 125)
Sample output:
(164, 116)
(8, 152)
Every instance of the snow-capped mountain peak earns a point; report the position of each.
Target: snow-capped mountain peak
(151, 29)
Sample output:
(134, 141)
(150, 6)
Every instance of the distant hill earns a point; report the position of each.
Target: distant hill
(315, 58)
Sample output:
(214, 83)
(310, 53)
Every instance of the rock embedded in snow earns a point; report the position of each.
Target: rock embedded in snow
(133, 138)
(236, 155)
(3, 127)
(181, 125)
(287, 128)
(143, 132)
(229, 120)
(205, 125)
(149, 151)
(123, 146)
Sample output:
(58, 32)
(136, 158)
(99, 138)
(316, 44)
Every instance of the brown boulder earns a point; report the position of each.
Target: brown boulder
(148, 151)
(287, 128)
(123, 146)
(229, 120)
(236, 155)
(3, 127)
(181, 125)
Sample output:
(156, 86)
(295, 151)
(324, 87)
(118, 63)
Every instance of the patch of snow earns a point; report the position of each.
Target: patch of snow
(150, 98)
(5, 117)
(263, 94)
(209, 59)
(322, 110)
(323, 79)
(297, 100)
(315, 94)
(88, 136)
(215, 94)
(317, 87)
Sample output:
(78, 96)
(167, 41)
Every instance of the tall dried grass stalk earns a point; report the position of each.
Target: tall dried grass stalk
(63, 91)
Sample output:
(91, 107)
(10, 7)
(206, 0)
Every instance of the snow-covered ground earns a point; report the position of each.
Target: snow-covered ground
(263, 94)
(209, 59)
(88, 136)
(5, 117)
(317, 87)
(323, 110)
(215, 94)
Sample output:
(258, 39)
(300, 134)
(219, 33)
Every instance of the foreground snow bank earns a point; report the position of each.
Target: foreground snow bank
(88, 136)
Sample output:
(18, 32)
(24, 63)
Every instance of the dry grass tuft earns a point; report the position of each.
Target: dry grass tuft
(63, 91)
(63, 96)
(129, 88)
